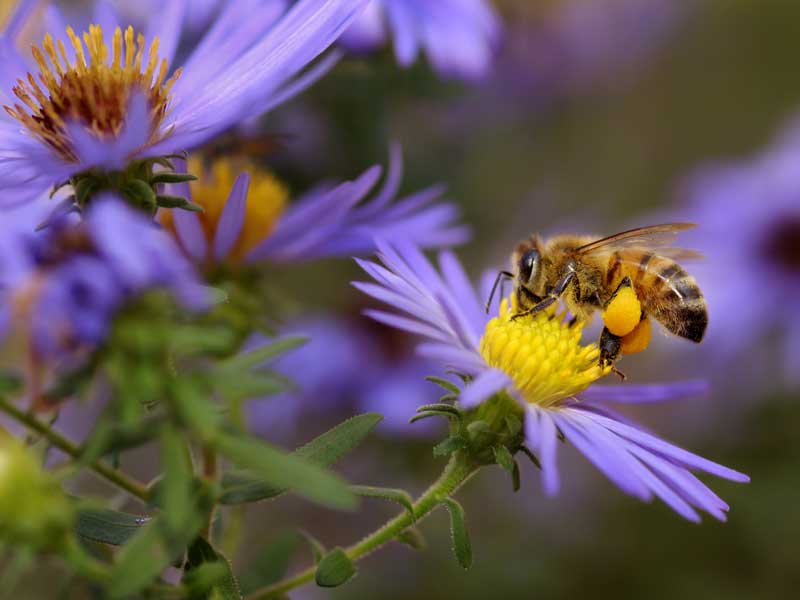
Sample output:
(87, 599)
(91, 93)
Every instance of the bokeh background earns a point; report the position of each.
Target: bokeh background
(598, 115)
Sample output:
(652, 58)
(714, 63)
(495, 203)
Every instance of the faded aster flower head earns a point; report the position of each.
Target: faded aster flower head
(460, 37)
(247, 217)
(103, 105)
(64, 284)
(539, 362)
(394, 385)
(751, 238)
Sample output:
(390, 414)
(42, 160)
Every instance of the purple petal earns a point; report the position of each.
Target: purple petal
(232, 218)
(485, 384)
(540, 435)
(646, 393)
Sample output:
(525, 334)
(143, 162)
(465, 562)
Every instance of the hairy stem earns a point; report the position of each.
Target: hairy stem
(57, 440)
(458, 470)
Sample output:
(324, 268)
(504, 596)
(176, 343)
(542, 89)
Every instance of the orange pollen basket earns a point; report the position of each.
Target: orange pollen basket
(91, 92)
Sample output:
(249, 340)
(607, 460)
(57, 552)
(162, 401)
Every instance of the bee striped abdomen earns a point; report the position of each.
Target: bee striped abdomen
(679, 303)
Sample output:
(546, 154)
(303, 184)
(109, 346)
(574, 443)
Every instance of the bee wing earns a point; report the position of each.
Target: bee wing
(658, 238)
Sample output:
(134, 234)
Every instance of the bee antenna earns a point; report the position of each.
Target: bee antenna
(501, 276)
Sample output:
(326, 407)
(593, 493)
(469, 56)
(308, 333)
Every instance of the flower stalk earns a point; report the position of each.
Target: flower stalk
(57, 440)
(458, 470)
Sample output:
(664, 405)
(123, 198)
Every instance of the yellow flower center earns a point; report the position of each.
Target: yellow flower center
(266, 200)
(91, 91)
(542, 354)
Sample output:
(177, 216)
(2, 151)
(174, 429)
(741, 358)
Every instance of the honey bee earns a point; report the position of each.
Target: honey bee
(590, 274)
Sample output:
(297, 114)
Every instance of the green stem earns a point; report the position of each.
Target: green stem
(458, 470)
(57, 440)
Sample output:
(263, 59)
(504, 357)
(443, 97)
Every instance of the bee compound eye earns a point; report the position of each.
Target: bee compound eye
(529, 264)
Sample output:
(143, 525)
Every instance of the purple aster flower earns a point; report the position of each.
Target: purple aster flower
(66, 282)
(245, 216)
(750, 233)
(458, 36)
(108, 98)
(539, 361)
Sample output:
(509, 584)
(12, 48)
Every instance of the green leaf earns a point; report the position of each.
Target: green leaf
(458, 531)
(176, 493)
(317, 549)
(108, 526)
(249, 384)
(271, 564)
(323, 451)
(286, 470)
(334, 569)
(395, 495)
(143, 558)
(412, 537)
(208, 573)
(449, 445)
(444, 383)
(504, 458)
(262, 354)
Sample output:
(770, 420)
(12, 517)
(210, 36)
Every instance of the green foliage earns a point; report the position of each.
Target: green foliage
(286, 471)
(462, 548)
(413, 538)
(208, 574)
(271, 564)
(395, 495)
(334, 569)
(322, 451)
(108, 526)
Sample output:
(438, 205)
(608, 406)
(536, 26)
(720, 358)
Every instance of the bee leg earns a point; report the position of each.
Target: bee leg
(610, 350)
(551, 298)
(501, 277)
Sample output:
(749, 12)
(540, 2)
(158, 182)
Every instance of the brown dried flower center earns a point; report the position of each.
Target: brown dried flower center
(92, 91)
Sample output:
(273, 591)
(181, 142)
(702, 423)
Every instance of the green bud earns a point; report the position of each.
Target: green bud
(34, 511)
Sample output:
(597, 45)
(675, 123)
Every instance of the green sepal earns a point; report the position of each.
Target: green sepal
(395, 495)
(83, 190)
(440, 407)
(141, 193)
(443, 383)
(334, 569)
(462, 548)
(108, 526)
(167, 201)
(413, 538)
(432, 413)
(449, 445)
(171, 177)
(515, 478)
(514, 425)
(533, 458)
(503, 457)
